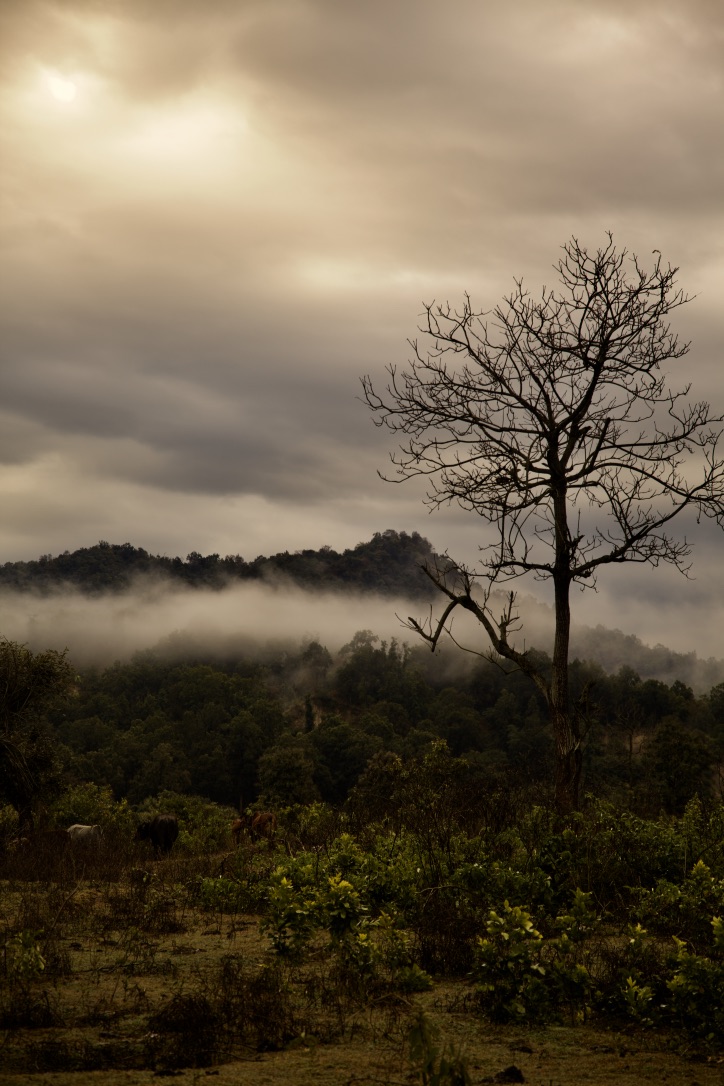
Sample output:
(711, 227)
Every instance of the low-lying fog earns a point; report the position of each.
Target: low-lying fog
(247, 619)
(104, 629)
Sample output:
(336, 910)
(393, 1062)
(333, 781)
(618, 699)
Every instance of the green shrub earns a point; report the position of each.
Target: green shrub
(696, 988)
(92, 804)
(605, 851)
(24, 961)
(291, 917)
(222, 895)
(435, 1066)
(683, 910)
(523, 976)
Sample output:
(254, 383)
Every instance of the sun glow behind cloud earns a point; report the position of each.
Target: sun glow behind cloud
(85, 122)
(62, 89)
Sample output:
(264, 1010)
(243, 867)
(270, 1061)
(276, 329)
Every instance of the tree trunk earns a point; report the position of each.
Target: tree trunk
(568, 764)
(565, 722)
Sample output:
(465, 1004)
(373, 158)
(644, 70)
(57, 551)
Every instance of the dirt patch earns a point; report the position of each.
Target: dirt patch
(555, 1057)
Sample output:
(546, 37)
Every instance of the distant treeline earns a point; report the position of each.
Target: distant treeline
(389, 564)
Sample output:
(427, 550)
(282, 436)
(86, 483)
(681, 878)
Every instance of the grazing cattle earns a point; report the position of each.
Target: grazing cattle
(264, 824)
(85, 835)
(161, 831)
(237, 828)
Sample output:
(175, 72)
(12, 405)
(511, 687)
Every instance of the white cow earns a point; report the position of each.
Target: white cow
(85, 835)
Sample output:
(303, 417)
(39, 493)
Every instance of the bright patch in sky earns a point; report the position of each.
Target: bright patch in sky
(62, 89)
(189, 132)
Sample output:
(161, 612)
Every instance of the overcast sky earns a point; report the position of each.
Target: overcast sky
(216, 216)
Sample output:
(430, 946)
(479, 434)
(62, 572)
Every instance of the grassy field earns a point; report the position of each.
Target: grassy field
(118, 968)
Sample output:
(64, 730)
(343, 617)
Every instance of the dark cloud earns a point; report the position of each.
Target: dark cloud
(244, 208)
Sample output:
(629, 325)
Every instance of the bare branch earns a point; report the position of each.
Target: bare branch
(549, 412)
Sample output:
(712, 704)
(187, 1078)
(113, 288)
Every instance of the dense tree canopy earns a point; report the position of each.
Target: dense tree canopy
(286, 732)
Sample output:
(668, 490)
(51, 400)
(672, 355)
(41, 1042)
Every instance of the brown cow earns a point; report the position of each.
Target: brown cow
(237, 828)
(264, 824)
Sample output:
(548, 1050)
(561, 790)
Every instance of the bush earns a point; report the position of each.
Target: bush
(93, 804)
(684, 910)
(523, 976)
(696, 987)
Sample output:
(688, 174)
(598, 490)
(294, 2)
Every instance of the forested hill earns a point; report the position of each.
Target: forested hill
(389, 564)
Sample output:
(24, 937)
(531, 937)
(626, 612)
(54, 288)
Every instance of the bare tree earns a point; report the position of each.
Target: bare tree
(552, 420)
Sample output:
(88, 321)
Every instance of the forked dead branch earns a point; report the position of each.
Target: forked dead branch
(552, 418)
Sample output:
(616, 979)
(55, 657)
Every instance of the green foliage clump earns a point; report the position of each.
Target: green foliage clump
(222, 895)
(523, 976)
(23, 958)
(603, 850)
(340, 894)
(434, 1065)
(696, 987)
(93, 804)
(683, 909)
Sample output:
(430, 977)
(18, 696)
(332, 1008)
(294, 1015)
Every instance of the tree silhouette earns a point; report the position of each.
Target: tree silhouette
(552, 420)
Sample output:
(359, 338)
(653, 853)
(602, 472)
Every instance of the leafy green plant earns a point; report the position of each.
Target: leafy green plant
(290, 920)
(24, 960)
(523, 976)
(22, 1005)
(637, 999)
(341, 907)
(604, 851)
(696, 988)
(435, 1066)
(221, 894)
(684, 909)
(509, 971)
(394, 947)
(93, 804)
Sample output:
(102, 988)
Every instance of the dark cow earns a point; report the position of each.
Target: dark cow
(161, 831)
(264, 824)
(85, 835)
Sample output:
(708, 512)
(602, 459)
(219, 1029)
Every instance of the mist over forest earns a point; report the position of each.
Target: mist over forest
(107, 602)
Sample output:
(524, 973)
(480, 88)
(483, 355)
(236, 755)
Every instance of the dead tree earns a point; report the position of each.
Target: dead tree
(551, 418)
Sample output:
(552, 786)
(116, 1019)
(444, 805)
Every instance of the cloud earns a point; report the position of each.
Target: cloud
(245, 206)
